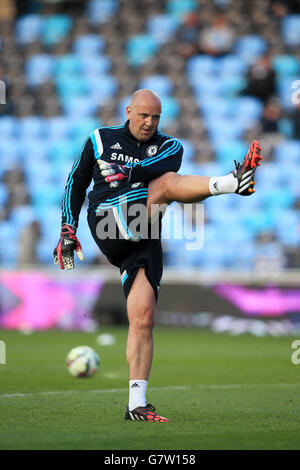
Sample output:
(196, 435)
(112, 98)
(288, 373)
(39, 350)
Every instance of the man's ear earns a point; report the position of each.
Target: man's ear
(128, 111)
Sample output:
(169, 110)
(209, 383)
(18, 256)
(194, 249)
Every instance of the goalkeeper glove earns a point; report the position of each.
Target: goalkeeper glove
(114, 173)
(64, 251)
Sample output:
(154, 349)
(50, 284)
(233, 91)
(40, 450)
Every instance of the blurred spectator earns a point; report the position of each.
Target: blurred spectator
(218, 39)
(281, 8)
(28, 242)
(269, 254)
(7, 10)
(188, 36)
(271, 116)
(261, 79)
(295, 122)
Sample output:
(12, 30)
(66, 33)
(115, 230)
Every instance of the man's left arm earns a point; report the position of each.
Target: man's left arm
(168, 158)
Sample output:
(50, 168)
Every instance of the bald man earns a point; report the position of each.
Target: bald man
(134, 168)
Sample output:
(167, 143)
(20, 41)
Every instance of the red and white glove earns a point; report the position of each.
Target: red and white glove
(114, 173)
(67, 244)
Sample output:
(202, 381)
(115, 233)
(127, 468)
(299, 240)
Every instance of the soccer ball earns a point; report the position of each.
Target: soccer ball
(82, 361)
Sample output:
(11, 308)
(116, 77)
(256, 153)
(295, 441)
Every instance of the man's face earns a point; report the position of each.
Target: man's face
(144, 117)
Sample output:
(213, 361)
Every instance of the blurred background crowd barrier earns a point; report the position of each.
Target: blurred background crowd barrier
(228, 72)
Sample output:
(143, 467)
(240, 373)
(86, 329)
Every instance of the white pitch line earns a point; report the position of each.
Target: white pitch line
(171, 387)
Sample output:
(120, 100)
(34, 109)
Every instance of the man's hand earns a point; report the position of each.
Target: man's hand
(114, 173)
(64, 251)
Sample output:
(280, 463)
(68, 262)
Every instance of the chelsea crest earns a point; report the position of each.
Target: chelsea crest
(151, 150)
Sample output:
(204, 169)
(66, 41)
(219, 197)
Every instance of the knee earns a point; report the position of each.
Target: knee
(143, 320)
(166, 185)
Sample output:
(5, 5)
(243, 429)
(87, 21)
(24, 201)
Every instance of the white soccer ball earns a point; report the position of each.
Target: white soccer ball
(82, 361)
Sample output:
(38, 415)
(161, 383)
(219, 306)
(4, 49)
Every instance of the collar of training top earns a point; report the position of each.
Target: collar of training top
(128, 133)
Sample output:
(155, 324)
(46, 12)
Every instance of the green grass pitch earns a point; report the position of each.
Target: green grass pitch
(219, 392)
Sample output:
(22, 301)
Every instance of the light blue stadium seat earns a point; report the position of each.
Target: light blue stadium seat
(221, 130)
(31, 127)
(232, 85)
(28, 28)
(228, 151)
(62, 149)
(286, 65)
(141, 48)
(68, 64)
(121, 109)
(160, 84)
(162, 27)
(269, 175)
(58, 127)
(9, 150)
(245, 260)
(102, 88)
(95, 66)
(21, 216)
(10, 156)
(9, 239)
(39, 69)
(207, 86)
(280, 199)
(287, 152)
(257, 221)
(72, 86)
(290, 28)
(189, 150)
(80, 106)
(37, 173)
(248, 105)
(231, 65)
(35, 148)
(55, 28)
(88, 45)
(80, 129)
(290, 176)
(100, 11)
(171, 110)
(45, 195)
(213, 168)
(199, 66)
(9, 127)
(180, 8)
(250, 47)
(188, 168)
(287, 227)
(215, 107)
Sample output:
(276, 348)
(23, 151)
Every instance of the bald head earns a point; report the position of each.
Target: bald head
(144, 114)
(145, 96)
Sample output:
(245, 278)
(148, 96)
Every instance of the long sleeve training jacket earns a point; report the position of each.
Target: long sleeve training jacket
(148, 160)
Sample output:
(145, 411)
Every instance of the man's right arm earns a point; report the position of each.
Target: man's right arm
(77, 183)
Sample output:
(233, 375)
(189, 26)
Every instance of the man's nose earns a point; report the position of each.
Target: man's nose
(149, 121)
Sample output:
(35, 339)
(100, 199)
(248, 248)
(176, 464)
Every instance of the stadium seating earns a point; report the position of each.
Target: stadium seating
(28, 29)
(85, 76)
